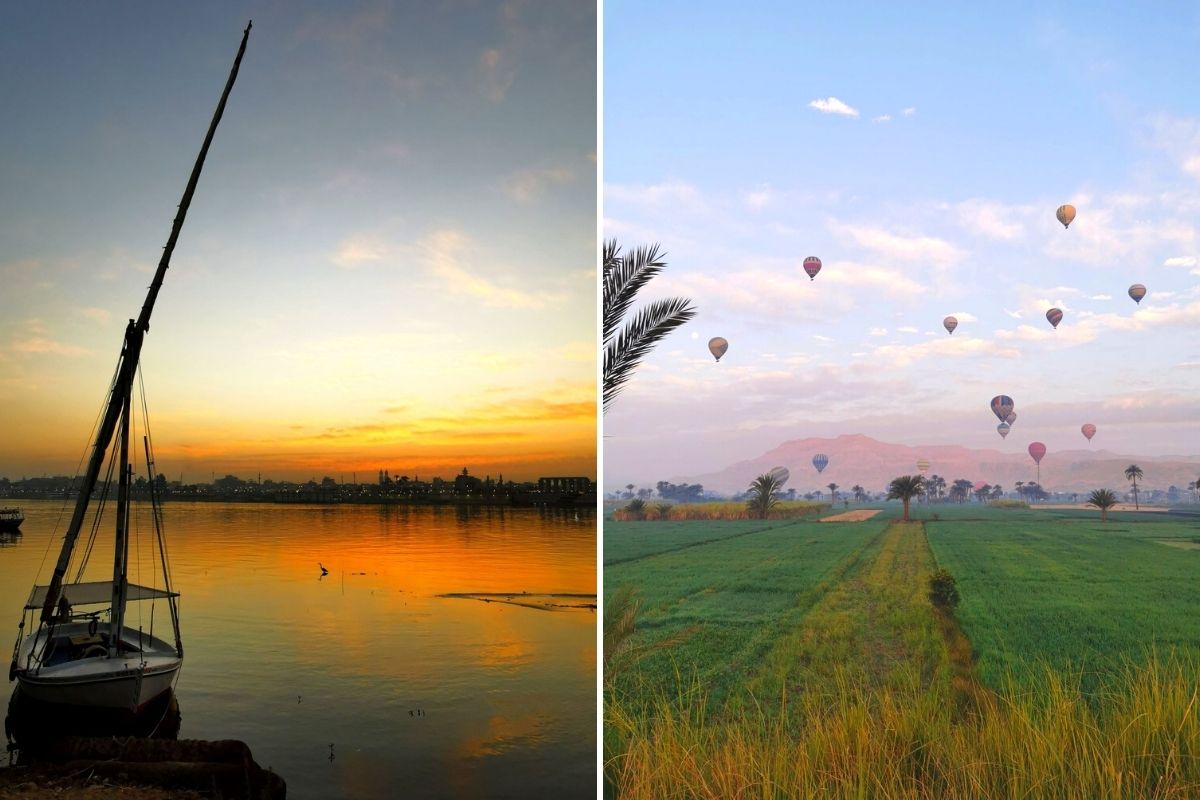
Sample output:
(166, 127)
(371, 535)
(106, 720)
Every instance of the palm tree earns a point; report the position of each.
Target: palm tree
(859, 493)
(1132, 473)
(905, 488)
(629, 490)
(1102, 499)
(833, 487)
(764, 495)
(625, 346)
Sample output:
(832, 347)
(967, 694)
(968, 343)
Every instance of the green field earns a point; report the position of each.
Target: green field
(1076, 645)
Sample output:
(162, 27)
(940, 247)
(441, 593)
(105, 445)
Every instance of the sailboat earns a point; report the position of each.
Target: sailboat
(78, 649)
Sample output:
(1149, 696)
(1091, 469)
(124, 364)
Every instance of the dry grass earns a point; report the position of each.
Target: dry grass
(685, 512)
(1141, 740)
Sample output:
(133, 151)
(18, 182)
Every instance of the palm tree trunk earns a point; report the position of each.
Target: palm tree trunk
(906, 509)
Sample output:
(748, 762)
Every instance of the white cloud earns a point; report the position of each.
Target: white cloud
(877, 332)
(1100, 297)
(1013, 314)
(100, 315)
(964, 316)
(898, 247)
(906, 329)
(910, 111)
(821, 338)
(832, 105)
(882, 118)
(1180, 261)
(993, 220)
(758, 198)
(944, 347)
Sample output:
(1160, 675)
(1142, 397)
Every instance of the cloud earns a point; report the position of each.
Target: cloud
(101, 315)
(1013, 314)
(759, 198)
(902, 355)
(444, 251)
(992, 220)
(832, 105)
(1100, 297)
(911, 111)
(906, 329)
(526, 185)
(964, 316)
(496, 74)
(877, 332)
(42, 345)
(899, 247)
(358, 250)
(1181, 261)
(882, 118)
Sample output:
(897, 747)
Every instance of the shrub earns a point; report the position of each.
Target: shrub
(1009, 504)
(943, 589)
(636, 509)
(663, 510)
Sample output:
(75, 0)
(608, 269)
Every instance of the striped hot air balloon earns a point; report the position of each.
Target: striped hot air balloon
(820, 461)
(922, 465)
(1137, 292)
(780, 474)
(950, 323)
(1054, 316)
(1088, 430)
(812, 265)
(1002, 406)
(1003, 429)
(717, 346)
(1065, 214)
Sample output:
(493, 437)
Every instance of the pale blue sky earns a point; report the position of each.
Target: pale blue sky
(394, 234)
(921, 152)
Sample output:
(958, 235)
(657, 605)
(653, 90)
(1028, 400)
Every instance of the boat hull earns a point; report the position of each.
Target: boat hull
(64, 674)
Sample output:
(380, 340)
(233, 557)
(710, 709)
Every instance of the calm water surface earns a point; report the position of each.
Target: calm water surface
(292, 663)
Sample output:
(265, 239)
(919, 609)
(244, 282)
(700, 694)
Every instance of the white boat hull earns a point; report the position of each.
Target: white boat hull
(125, 682)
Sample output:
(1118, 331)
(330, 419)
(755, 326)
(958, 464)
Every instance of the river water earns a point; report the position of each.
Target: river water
(365, 683)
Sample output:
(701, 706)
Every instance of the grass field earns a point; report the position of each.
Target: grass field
(806, 659)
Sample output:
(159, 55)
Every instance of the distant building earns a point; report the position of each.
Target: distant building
(466, 484)
(565, 485)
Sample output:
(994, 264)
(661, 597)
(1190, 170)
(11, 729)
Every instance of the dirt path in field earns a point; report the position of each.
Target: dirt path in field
(853, 516)
(875, 627)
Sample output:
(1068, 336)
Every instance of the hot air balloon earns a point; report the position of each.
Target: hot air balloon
(951, 323)
(1089, 430)
(922, 465)
(717, 346)
(819, 461)
(979, 485)
(1011, 418)
(1065, 214)
(1054, 316)
(780, 474)
(1036, 451)
(1003, 429)
(1002, 406)
(812, 265)
(1137, 292)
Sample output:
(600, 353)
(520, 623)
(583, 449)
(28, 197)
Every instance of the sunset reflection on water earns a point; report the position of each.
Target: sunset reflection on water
(441, 696)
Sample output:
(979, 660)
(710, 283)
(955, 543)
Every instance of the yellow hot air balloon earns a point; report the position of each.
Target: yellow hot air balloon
(1065, 214)
(717, 346)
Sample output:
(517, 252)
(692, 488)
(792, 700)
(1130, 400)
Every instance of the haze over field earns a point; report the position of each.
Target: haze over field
(856, 459)
(921, 155)
(389, 262)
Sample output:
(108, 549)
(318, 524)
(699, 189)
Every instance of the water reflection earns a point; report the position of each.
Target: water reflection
(292, 662)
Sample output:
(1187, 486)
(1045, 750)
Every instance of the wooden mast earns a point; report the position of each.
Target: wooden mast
(127, 364)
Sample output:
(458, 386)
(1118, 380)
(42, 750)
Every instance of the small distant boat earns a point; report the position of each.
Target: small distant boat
(10, 520)
(79, 653)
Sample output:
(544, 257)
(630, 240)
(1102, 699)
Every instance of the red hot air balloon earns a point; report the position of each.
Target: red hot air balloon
(1036, 451)
(1137, 292)
(812, 265)
(950, 323)
(1089, 430)
(1054, 316)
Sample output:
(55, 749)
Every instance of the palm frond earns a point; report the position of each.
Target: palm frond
(623, 279)
(633, 342)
